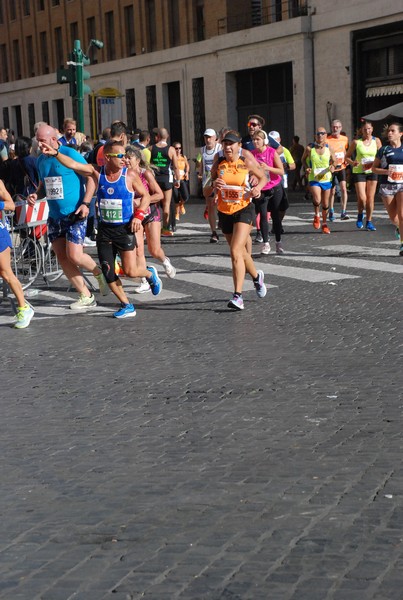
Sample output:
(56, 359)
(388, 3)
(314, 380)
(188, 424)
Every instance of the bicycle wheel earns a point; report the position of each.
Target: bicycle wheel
(51, 269)
(27, 261)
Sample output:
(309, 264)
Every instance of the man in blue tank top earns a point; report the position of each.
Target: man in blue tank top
(115, 186)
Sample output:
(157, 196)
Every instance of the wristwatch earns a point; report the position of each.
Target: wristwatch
(87, 204)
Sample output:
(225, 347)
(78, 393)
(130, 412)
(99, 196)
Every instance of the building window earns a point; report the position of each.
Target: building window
(17, 61)
(199, 115)
(41, 5)
(26, 7)
(6, 118)
(12, 9)
(4, 64)
(151, 97)
(31, 119)
(174, 21)
(151, 26)
(59, 47)
(199, 20)
(92, 35)
(129, 25)
(1, 13)
(45, 111)
(44, 52)
(17, 119)
(73, 32)
(131, 109)
(30, 56)
(110, 36)
(55, 2)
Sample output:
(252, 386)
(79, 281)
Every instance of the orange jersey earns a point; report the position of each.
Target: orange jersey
(233, 197)
(181, 166)
(338, 148)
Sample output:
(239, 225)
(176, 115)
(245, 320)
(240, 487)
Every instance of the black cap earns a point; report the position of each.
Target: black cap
(231, 137)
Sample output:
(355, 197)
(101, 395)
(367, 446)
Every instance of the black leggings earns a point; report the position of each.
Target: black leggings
(270, 201)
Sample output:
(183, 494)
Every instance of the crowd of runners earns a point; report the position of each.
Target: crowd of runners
(126, 190)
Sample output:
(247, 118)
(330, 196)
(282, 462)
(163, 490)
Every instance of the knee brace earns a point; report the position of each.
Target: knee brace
(109, 272)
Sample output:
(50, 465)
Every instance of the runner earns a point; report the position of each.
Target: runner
(115, 187)
(317, 161)
(361, 155)
(230, 181)
(181, 195)
(25, 312)
(338, 145)
(67, 221)
(152, 220)
(389, 164)
(204, 162)
(272, 192)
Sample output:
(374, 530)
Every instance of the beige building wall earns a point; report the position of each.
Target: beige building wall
(317, 45)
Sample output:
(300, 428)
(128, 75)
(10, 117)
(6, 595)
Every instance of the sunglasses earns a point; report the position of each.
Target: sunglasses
(253, 124)
(321, 133)
(120, 155)
(178, 147)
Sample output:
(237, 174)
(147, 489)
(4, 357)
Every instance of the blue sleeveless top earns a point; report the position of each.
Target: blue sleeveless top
(115, 200)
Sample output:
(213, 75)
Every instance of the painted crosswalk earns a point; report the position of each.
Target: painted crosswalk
(322, 264)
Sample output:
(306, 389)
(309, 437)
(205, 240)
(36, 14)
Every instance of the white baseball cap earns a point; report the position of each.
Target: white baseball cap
(209, 132)
(275, 135)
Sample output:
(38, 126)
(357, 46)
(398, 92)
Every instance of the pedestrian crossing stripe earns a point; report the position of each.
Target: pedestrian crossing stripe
(360, 250)
(351, 263)
(280, 270)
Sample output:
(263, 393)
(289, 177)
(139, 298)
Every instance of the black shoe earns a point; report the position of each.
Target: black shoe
(214, 238)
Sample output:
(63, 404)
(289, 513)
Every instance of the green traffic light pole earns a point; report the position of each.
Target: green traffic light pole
(81, 60)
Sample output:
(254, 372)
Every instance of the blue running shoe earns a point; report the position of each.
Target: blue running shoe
(154, 281)
(359, 222)
(369, 226)
(260, 287)
(331, 215)
(125, 311)
(236, 302)
(397, 233)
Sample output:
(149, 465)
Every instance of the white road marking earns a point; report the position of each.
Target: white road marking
(355, 263)
(280, 270)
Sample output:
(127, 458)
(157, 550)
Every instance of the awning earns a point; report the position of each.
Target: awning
(396, 110)
(384, 90)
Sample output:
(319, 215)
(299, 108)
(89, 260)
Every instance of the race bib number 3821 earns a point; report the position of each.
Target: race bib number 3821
(54, 188)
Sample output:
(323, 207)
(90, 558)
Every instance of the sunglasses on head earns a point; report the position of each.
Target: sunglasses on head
(120, 155)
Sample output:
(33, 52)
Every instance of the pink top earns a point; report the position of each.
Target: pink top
(266, 157)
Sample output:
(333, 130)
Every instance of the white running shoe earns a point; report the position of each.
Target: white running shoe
(89, 243)
(143, 287)
(266, 248)
(169, 268)
(84, 302)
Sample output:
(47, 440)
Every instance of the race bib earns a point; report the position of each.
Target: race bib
(367, 164)
(182, 174)
(320, 173)
(111, 210)
(395, 174)
(339, 156)
(54, 188)
(232, 193)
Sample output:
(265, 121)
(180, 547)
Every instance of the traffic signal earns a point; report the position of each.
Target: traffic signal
(68, 76)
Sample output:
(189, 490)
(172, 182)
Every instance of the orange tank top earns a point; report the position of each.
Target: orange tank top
(233, 197)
